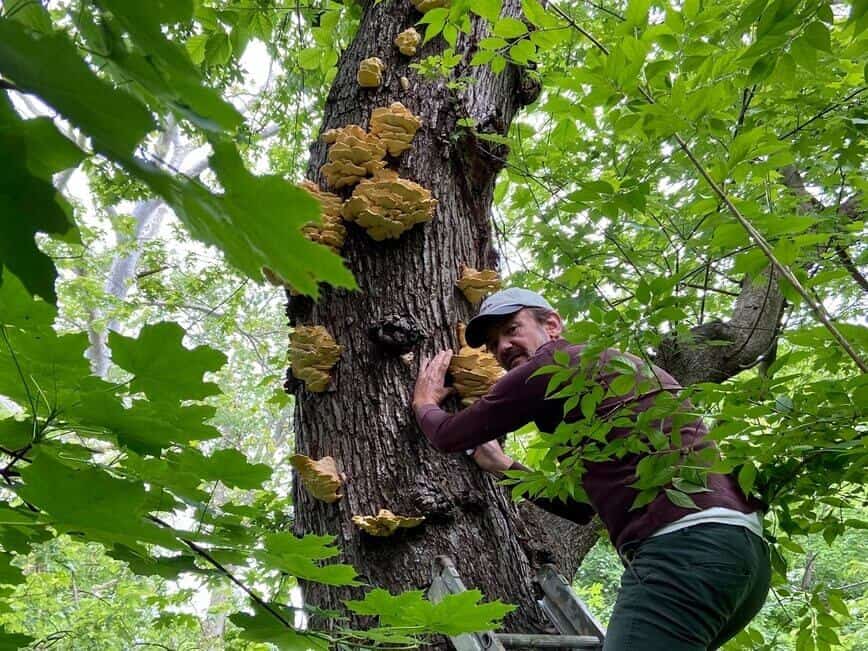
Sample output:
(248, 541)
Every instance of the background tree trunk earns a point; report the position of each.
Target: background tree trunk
(365, 420)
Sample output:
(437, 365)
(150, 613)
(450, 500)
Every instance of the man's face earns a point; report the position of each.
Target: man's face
(515, 339)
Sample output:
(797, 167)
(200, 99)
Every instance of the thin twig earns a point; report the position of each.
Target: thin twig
(828, 109)
(223, 570)
(849, 265)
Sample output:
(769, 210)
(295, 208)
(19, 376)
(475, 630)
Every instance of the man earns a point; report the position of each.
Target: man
(694, 578)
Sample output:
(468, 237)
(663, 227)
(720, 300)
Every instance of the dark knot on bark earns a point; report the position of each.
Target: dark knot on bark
(433, 504)
(529, 87)
(706, 349)
(298, 307)
(397, 333)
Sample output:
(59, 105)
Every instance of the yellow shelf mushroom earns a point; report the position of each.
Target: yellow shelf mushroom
(331, 232)
(476, 285)
(388, 205)
(474, 371)
(370, 74)
(385, 523)
(313, 353)
(395, 126)
(353, 155)
(320, 478)
(408, 41)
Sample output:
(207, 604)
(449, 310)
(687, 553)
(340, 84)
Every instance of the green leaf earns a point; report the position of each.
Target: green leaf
(761, 69)
(256, 222)
(729, 236)
(227, 466)
(804, 53)
(9, 574)
(637, 12)
(162, 366)
(817, 34)
(689, 487)
(42, 370)
(536, 14)
(436, 21)
(454, 615)
(28, 13)
(482, 57)
(46, 150)
(309, 58)
(263, 626)
(488, 9)
(296, 556)
(32, 150)
(145, 427)
(645, 497)
(15, 434)
(50, 67)
(622, 385)
(18, 308)
(87, 499)
(167, 567)
(218, 49)
(196, 48)
(492, 43)
(837, 604)
(13, 641)
(522, 52)
(589, 404)
(509, 28)
(680, 499)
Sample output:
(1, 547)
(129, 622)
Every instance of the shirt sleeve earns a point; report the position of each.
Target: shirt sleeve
(512, 402)
(577, 512)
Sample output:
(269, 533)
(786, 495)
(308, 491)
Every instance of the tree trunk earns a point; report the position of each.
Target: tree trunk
(365, 420)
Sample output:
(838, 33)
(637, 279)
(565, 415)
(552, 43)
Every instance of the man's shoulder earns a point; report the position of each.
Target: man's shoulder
(545, 354)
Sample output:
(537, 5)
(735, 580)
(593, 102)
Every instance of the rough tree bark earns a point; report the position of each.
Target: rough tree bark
(365, 421)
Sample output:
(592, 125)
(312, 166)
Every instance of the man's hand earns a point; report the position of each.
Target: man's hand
(430, 387)
(490, 457)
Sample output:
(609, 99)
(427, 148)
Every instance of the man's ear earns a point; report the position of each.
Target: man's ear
(553, 325)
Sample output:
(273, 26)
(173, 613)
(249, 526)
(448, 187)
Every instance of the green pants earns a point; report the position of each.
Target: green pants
(690, 590)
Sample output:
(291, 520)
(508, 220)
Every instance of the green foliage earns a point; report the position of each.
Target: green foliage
(453, 615)
(254, 221)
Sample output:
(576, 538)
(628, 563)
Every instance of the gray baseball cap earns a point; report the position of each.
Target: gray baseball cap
(499, 304)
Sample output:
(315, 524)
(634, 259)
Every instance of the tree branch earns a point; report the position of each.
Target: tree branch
(816, 306)
(850, 266)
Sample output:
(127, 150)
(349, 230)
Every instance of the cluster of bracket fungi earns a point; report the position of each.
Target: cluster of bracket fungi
(386, 206)
(476, 285)
(313, 353)
(473, 371)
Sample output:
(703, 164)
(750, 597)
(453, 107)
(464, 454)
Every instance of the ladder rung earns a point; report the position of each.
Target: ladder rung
(516, 640)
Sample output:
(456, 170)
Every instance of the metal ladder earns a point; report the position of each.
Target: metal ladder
(576, 625)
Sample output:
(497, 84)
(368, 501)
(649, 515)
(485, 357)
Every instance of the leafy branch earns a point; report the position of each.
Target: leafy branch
(817, 307)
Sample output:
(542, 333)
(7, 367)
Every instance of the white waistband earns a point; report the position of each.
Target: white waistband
(719, 515)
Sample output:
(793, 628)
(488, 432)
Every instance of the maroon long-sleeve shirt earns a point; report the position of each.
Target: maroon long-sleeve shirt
(517, 399)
